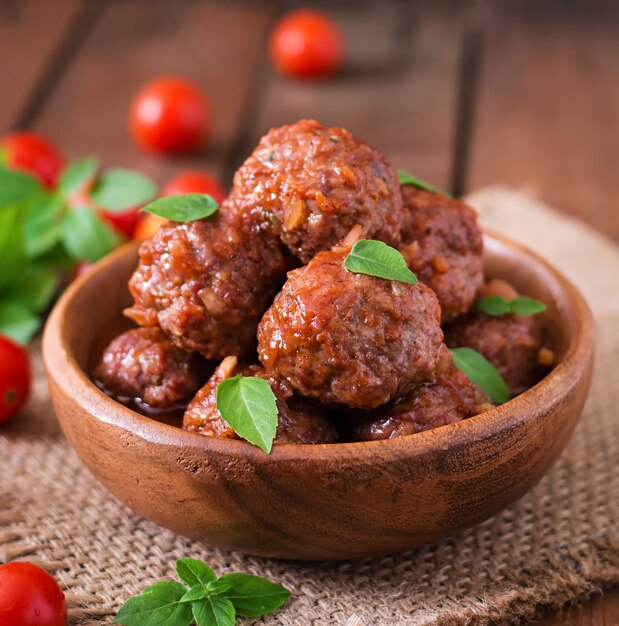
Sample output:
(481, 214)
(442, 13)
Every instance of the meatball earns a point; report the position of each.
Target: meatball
(442, 244)
(349, 338)
(449, 398)
(299, 422)
(512, 343)
(207, 284)
(312, 184)
(144, 364)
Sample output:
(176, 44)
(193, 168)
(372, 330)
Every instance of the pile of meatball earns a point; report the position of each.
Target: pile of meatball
(260, 289)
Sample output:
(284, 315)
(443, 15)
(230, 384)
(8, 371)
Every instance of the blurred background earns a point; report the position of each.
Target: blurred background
(463, 94)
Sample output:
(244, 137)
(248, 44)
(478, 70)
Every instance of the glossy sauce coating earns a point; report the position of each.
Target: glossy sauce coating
(349, 338)
(207, 284)
(312, 184)
(442, 244)
(299, 422)
(144, 364)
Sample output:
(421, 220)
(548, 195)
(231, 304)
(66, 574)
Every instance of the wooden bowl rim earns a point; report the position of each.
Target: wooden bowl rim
(61, 364)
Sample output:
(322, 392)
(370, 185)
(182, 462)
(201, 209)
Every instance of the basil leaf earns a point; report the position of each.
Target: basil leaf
(42, 225)
(254, 596)
(214, 611)
(481, 373)
(86, 236)
(198, 592)
(404, 178)
(17, 187)
(35, 289)
(184, 208)
(523, 305)
(493, 305)
(157, 605)
(117, 190)
(194, 572)
(18, 322)
(376, 258)
(248, 405)
(76, 174)
(218, 587)
(12, 253)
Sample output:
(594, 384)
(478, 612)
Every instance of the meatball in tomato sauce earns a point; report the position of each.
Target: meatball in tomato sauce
(348, 338)
(144, 364)
(298, 421)
(207, 283)
(442, 244)
(311, 184)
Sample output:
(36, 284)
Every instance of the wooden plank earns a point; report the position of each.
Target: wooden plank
(30, 33)
(600, 610)
(214, 44)
(547, 109)
(398, 91)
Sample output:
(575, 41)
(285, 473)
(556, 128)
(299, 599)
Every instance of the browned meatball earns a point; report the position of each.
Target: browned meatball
(350, 338)
(512, 343)
(449, 398)
(298, 421)
(312, 184)
(144, 364)
(207, 284)
(442, 244)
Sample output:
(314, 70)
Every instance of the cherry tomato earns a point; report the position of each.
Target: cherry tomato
(125, 222)
(306, 44)
(15, 376)
(148, 226)
(194, 182)
(170, 114)
(29, 596)
(33, 153)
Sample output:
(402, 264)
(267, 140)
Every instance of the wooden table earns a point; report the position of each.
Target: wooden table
(462, 94)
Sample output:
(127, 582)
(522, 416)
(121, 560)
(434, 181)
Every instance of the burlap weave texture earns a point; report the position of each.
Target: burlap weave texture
(559, 542)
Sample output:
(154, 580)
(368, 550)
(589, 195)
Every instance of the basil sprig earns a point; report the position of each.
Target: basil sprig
(498, 306)
(249, 406)
(206, 600)
(376, 258)
(405, 178)
(184, 208)
(481, 373)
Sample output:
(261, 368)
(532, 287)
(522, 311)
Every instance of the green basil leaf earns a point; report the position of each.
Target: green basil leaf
(17, 187)
(218, 587)
(42, 225)
(158, 604)
(248, 405)
(57, 258)
(254, 596)
(18, 322)
(404, 178)
(76, 174)
(117, 190)
(184, 208)
(86, 236)
(493, 305)
(198, 592)
(35, 289)
(481, 373)
(523, 305)
(194, 572)
(376, 258)
(12, 253)
(214, 611)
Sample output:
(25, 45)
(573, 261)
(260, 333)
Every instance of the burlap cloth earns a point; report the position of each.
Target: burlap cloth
(558, 543)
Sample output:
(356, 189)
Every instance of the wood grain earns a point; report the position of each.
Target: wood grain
(547, 107)
(214, 44)
(31, 32)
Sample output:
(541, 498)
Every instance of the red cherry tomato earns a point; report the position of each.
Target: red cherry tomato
(15, 376)
(194, 182)
(29, 596)
(34, 154)
(306, 44)
(125, 222)
(170, 114)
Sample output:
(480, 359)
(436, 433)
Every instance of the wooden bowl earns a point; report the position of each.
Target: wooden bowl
(337, 501)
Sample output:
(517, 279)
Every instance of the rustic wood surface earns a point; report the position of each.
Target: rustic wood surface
(463, 94)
